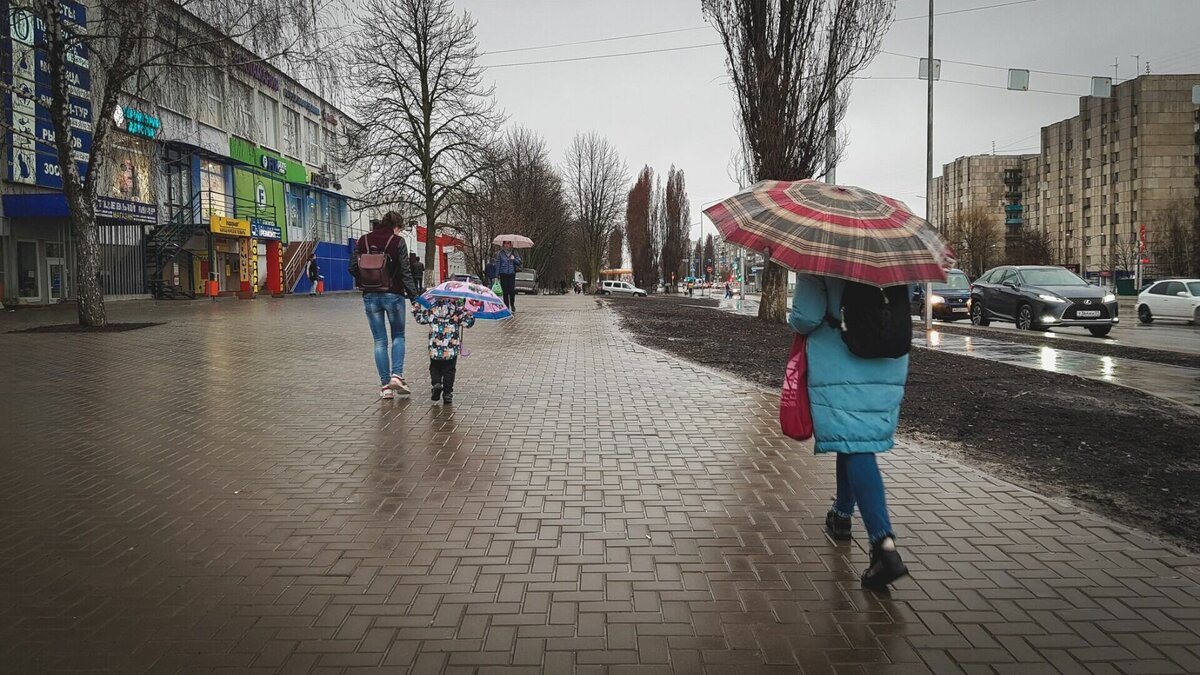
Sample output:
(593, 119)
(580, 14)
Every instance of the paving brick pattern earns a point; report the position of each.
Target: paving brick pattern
(225, 493)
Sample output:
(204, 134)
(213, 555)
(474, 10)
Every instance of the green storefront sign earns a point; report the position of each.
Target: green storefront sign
(259, 188)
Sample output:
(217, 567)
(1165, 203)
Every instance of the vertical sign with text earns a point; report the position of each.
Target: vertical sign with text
(32, 156)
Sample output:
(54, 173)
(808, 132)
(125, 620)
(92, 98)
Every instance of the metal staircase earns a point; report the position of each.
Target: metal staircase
(165, 244)
(295, 260)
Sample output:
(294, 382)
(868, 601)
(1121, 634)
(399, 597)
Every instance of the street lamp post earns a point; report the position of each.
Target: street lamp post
(929, 161)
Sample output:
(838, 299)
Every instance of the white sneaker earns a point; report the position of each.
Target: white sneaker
(398, 386)
(386, 392)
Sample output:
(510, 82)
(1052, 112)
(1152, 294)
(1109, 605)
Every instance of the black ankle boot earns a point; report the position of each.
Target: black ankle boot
(837, 526)
(886, 567)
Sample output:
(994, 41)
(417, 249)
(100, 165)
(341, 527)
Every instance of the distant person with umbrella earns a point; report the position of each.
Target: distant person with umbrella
(855, 252)
(508, 263)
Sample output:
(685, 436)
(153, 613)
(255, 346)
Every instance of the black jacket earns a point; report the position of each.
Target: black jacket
(403, 281)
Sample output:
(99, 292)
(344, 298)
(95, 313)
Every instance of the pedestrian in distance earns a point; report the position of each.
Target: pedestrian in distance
(446, 318)
(728, 291)
(381, 271)
(855, 404)
(417, 267)
(508, 263)
(562, 287)
(314, 274)
(489, 274)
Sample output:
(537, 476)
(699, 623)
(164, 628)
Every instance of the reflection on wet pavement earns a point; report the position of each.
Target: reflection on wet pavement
(1175, 383)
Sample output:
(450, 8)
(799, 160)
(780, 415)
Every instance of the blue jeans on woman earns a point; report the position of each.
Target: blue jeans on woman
(859, 482)
(384, 309)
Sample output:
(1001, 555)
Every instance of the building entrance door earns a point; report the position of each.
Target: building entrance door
(29, 278)
(56, 274)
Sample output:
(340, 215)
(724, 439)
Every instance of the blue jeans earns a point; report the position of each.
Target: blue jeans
(385, 309)
(859, 482)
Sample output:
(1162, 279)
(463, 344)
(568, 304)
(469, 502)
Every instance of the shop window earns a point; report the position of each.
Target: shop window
(212, 98)
(312, 143)
(291, 132)
(214, 198)
(178, 167)
(268, 133)
(175, 89)
(241, 105)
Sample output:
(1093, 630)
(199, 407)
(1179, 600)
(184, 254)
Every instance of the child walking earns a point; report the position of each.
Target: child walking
(446, 319)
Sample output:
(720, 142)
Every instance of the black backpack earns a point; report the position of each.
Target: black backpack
(875, 322)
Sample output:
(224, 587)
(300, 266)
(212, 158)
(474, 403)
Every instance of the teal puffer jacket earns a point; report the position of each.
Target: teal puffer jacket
(855, 401)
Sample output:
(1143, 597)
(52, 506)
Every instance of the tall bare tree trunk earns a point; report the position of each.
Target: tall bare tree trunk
(89, 294)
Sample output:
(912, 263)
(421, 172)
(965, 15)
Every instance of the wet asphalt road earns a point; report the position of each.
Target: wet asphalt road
(1163, 335)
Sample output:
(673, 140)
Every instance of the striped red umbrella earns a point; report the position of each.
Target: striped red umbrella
(834, 230)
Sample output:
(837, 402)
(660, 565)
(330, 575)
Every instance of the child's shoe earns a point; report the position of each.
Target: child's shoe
(437, 392)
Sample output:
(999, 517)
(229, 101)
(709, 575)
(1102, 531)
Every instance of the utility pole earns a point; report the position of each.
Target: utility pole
(929, 164)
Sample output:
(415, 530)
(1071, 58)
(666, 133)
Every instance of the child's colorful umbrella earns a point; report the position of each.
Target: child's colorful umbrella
(480, 301)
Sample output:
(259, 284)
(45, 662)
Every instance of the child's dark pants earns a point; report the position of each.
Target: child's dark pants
(441, 371)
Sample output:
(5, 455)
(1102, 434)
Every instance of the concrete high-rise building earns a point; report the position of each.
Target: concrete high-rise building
(1123, 162)
(994, 183)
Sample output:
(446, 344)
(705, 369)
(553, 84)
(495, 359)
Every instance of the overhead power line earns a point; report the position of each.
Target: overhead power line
(968, 9)
(602, 56)
(590, 42)
(986, 65)
(685, 30)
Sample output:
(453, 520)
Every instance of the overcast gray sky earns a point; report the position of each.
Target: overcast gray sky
(676, 108)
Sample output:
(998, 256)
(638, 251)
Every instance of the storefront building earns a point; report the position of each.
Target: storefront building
(221, 182)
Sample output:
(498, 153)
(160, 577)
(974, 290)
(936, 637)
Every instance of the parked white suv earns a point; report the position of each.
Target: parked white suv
(1170, 299)
(621, 288)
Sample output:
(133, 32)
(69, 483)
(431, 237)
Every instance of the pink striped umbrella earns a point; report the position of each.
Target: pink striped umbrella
(836, 231)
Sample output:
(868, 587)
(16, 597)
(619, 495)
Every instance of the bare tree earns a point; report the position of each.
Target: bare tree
(595, 178)
(1175, 240)
(1029, 247)
(976, 235)
(791, 64)
(518, 191)
(127, 46)
(638, 227)
(616, 249)
(675, 216)
(427, 119)
(657, 232)
(710, 258)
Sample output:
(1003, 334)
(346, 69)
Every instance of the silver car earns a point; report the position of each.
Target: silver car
(526, 282)
(621, 288)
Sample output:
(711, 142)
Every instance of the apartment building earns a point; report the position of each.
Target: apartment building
(995, 183)
(1122, 163)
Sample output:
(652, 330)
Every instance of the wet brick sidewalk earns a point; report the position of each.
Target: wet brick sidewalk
(226, 493)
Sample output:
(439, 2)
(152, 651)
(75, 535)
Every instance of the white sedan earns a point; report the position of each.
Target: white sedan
(1170, 299)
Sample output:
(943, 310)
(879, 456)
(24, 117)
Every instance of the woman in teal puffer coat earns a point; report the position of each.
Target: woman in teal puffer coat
(855, 408)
